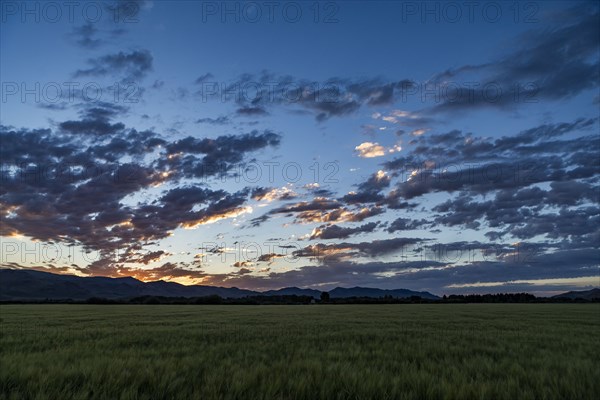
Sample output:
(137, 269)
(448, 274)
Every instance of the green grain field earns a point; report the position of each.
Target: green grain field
(466, 351)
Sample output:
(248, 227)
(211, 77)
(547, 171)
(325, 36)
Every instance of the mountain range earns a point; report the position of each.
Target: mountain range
(592, 294)
(37, 285)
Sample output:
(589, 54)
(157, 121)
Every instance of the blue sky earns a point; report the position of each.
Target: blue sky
(388, 144)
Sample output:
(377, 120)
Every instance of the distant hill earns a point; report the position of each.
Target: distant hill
(37, 285)
(291, 291)
(592, 294)
(340, 292)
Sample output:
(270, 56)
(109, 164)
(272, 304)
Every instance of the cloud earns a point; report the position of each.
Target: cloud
(96, 120)
(341, 214)
(126, 10)
(251, 111)
(369, 191)
(86, 36)
(118, 13)
(453, 161)
(66, 186)
(167, 271)
(370, 150)
(406, 224)
(151, 257)
(203, 78)
(242, 265)
(317, 204)
(334, 97)
(269, 257)
(322, 209)
(346, 250)
(552, 64)
(539, 184)
(129, 66)
(257, 221)
(329, 275)
(430, 273)
(337, 232)
(222, 120)
(406, 119)
(271, 194)
(193, 157)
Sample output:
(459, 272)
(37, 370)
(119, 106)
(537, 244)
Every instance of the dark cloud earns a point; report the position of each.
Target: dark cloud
(369, 191)
(330, 275)
(443, 268)
(242, 264)
(251, 111)
(166, 271)
(129, 66)
(269, 257)
(86, 36)
(96, 120)
(322, 209)
(63, 105)
(60, 187)
(317, 204)
(158, 84)
(554, 64)
(345, 250)
(566, 223)
(117, 13)
(511, 209)
(406, 224)
(192, 157)
(151, 257)
(540, 184)
(203, 78)
(257, 221)
(271, 194)
(225, 146)
(257, 93)
(222, 120)
(337, 232)
(454, 161)
(125, 11)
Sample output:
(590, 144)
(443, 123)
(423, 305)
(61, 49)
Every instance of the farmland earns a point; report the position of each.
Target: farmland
(460, 351)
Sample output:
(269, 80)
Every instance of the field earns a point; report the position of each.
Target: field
(469, 351)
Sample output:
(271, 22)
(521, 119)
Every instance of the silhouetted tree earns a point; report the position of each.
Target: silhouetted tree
(324, 296)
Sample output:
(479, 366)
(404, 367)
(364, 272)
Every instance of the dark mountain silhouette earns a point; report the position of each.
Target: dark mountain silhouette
(293, 291)
(592, 294)
(38, 285)
(32, 285)
(340, 292)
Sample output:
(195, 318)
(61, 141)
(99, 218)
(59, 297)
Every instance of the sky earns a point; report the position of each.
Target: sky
(452, 147)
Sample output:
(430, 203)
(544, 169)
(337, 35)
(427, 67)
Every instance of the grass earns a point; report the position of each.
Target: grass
(468, 351)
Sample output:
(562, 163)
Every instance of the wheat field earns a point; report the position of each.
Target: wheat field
(459, 351)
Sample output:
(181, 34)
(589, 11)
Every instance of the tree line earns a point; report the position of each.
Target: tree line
(324, 299)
